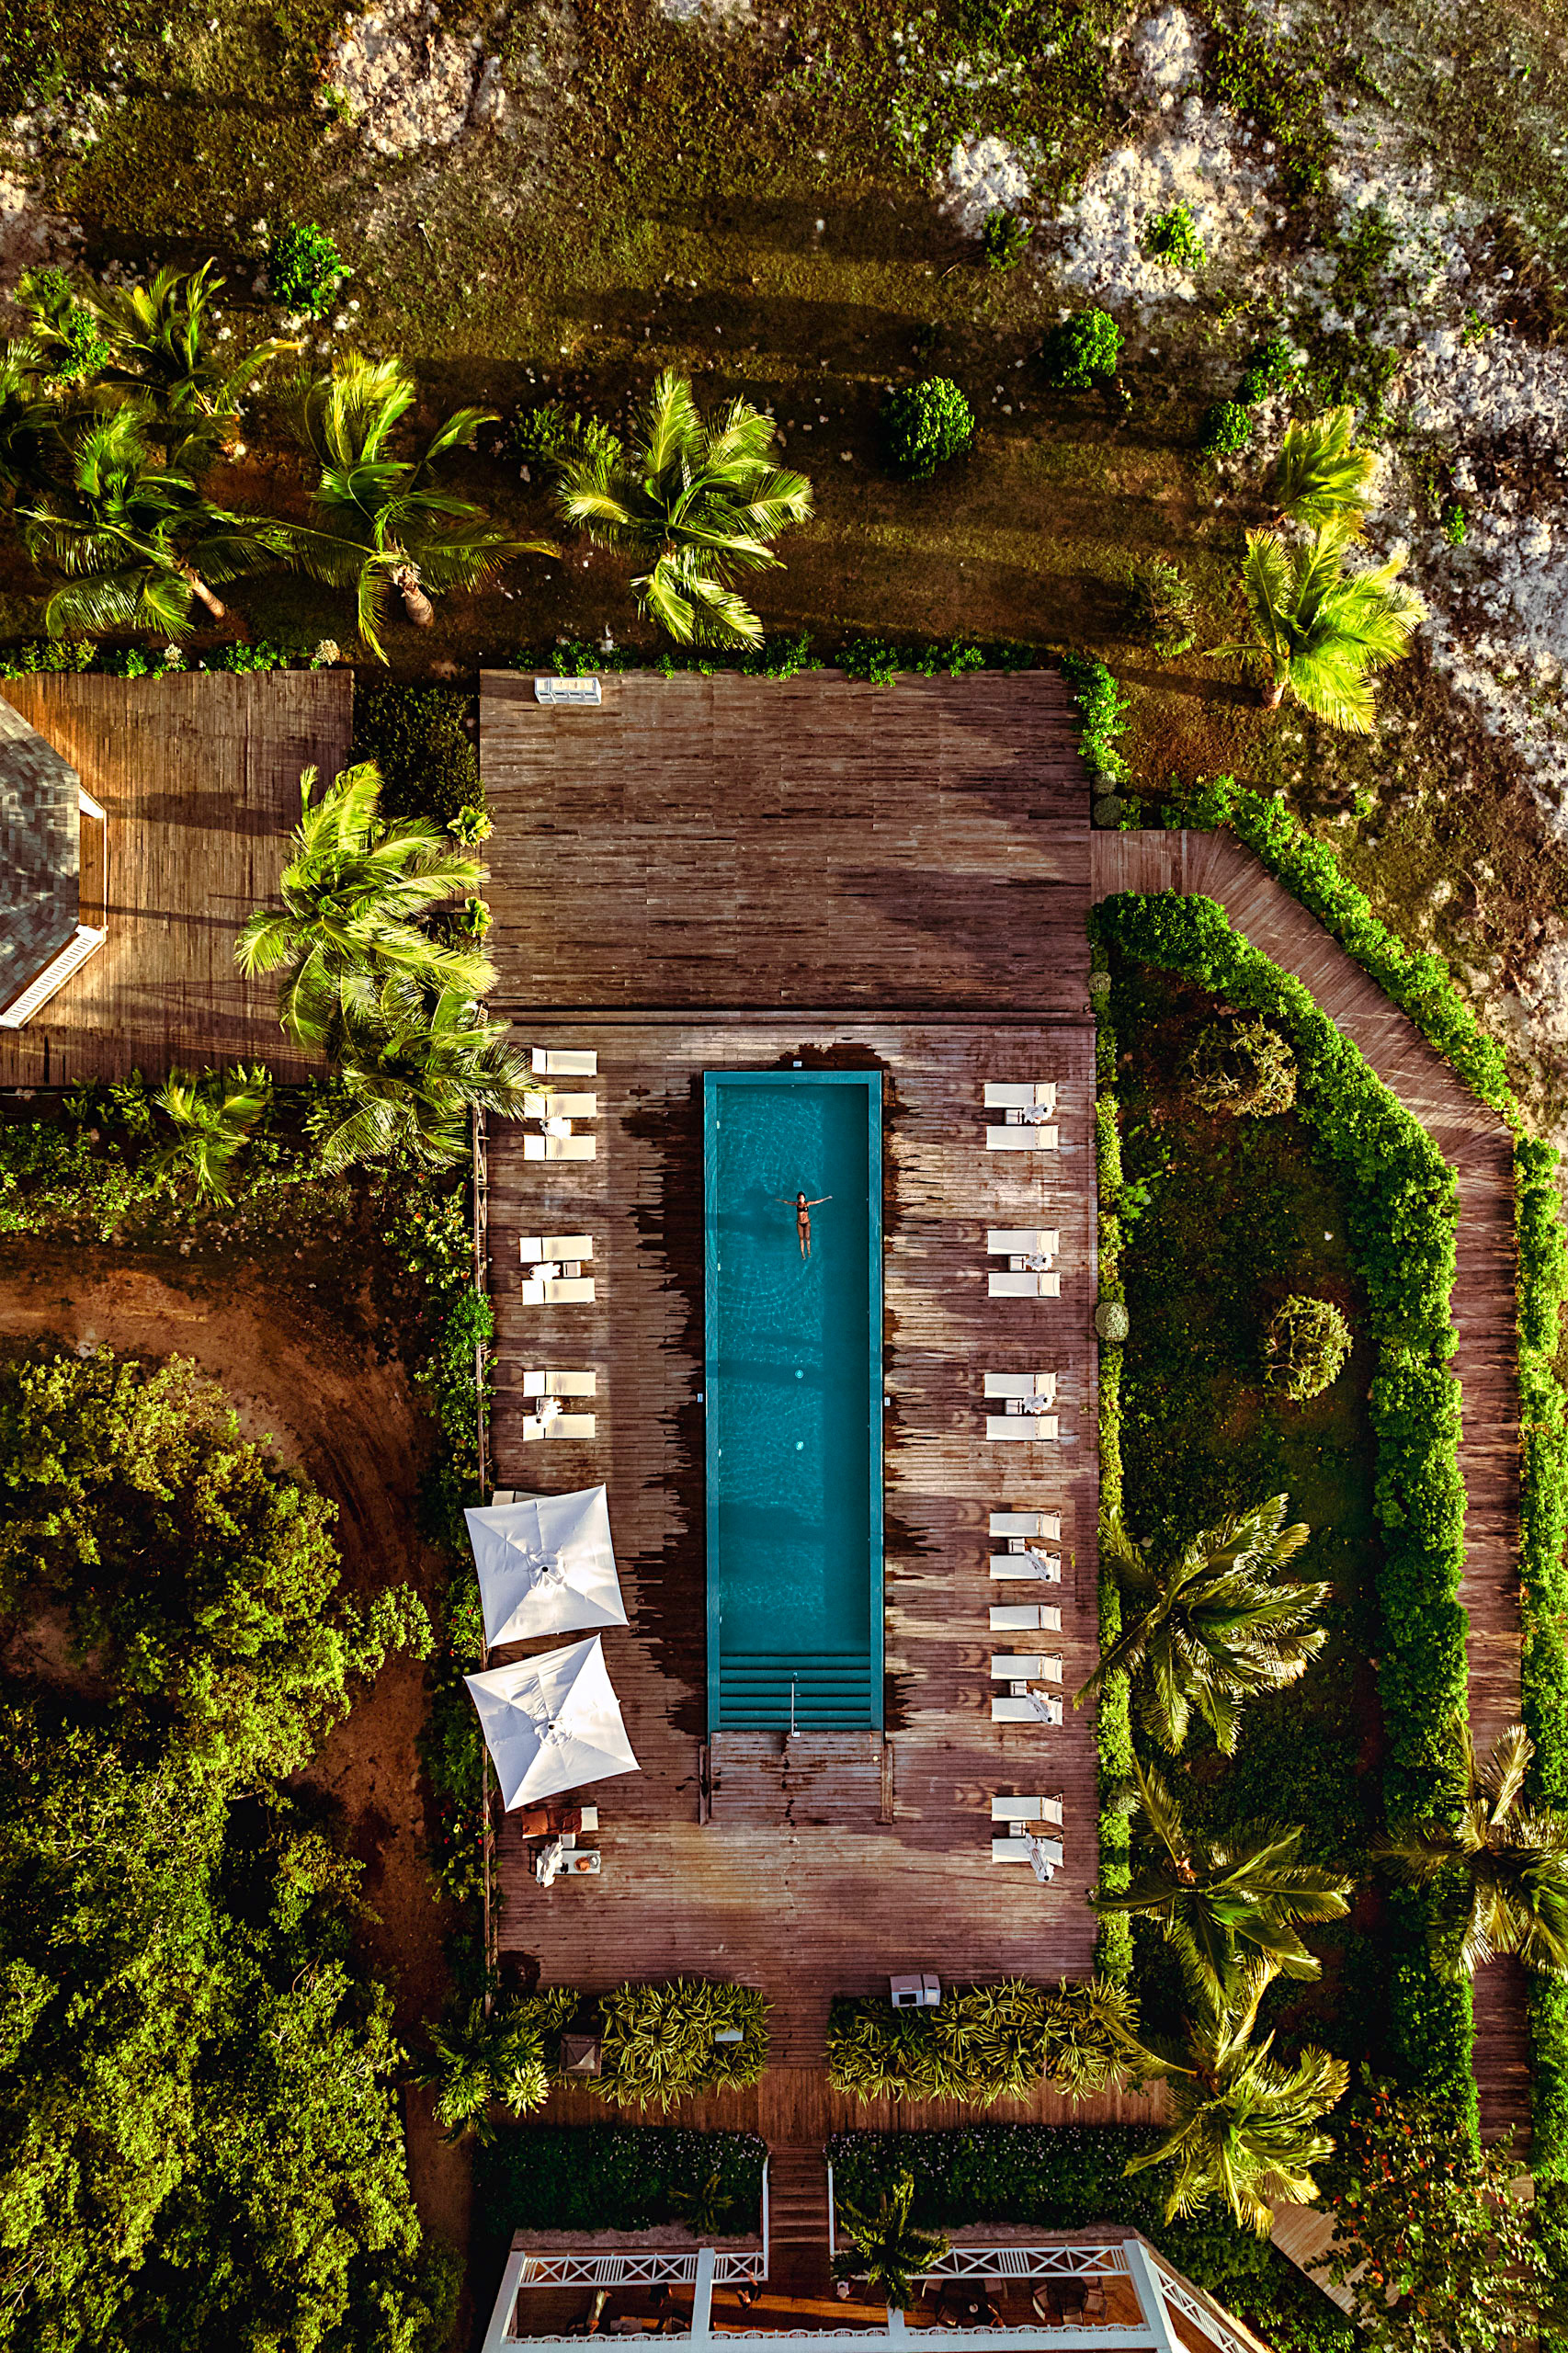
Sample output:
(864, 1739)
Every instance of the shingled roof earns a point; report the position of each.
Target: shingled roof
(39, 852)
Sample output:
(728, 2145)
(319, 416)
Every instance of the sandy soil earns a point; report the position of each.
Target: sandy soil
(300, 1354)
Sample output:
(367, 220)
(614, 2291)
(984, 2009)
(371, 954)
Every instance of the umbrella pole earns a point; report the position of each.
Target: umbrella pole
(485, 1846)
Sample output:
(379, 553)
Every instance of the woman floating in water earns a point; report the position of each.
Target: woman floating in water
(802, 1208)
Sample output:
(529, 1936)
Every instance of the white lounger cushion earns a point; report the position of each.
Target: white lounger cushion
(1027, 1809)
(552, 1061)
(1026, 1241)
(559, 1384)
(1023, 1139)
(1028, 1565)
(560, 1106)
(535, 1246)
(1024, 1617)
(1011, 1286)
(560, 1147)
(564, 1425)
(1020, 1384)
(1026, 1666)
(1009, 1710)
(570, 1290)
(1001, 1426)
(1020, 1850)
(1027, 1523)
(1008, 1095)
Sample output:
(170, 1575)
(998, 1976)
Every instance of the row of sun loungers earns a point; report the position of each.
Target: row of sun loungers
(1028, 1536)
(1028, 1250)
(550, 1417)
(1027, 1399)
(556, 1110)
(1020, 1832)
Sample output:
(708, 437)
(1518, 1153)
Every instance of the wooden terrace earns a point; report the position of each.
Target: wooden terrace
(731, 874)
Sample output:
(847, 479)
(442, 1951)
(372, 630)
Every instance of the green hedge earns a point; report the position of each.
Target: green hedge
(1113, 1718)
(612, 2177)
(1402, 1233)
(1071, 2177)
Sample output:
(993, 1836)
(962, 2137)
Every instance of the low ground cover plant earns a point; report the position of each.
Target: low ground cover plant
(305, 272)
(1242, 1067)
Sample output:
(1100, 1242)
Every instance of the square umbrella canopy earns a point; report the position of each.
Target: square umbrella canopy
(552, 1723)
(546, 1565)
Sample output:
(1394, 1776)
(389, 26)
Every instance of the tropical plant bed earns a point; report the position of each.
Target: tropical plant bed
(1070, 2177)
(1222, 1219)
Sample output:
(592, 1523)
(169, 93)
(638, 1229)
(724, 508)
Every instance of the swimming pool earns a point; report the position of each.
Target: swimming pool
(794, 1391)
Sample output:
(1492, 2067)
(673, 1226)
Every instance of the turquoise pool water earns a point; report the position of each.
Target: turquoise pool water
(793, 1388)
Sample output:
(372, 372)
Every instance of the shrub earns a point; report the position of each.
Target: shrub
(1081, 349)
(1173, 238)
(1273, 368)
(1226, 429)
(545, 434)
(1111, 1321)
(983, 2042)
(924, 425)
(1161, 606)
(419, 739)
(624, 2177)
(1005, 238)
(1102, 704)
(304, 269)
(1305, 1348)
(1113, 1721)
(1242, 1067)
(659, 2039)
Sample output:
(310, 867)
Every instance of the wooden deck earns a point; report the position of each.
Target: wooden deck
(1479, 1146)
(200, 776)
(823, 1868)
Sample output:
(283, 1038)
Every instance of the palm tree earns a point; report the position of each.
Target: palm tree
(409, 1070)
(890, 2248)
(705, 2210)
(484, 2059)
(213, 1116)
(1242, 2123)
(137, 540)
(1210, 1895)
(1319, 476)
(353, 895)
(1321, 630)
(698, 504)
(27, 411)
(157, 337)
(1513, 1859)
(380, 522)
(1210, 1627)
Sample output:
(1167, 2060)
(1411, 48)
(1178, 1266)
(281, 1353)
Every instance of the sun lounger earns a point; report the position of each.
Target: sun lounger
(566, 1291)
(1023, 1139)
(570, 692)
(539, 1106)
(559, 1384)
(1006, 1094)
(1020, 1426)
(1014, 1285)
(1030, 1240)
(564, 1425)
(1027, 1809)
(1038, 1565)
(536, 1247)
(1015, 1708)
(1025, 1667)
(560, 1147)
(1019, 1527)
(1021, 1386)
(1023, 1850)
(552, 1061)
(1024, 1617)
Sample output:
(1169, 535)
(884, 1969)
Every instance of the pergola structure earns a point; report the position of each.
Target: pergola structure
(1172, 2314)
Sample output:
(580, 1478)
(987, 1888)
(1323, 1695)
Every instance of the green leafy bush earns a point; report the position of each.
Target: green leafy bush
(1273, 368)
(1113, 1718)
(659, 2039)
(924, 425)
(1072, 2177)
(982, 2042)
(1005, 240)
(1102, 704)
(624, 2177)
(1172, 237)
(1082, 350)
(1226, 429)
(1241, 1067)
(1161, 606)
(420, 739)
(1305, 1348)
(545, 434)
(304, 269)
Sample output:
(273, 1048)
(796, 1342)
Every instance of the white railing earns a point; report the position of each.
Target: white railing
(1077, 2262)
(641, 2267)
(1209, 2318)
(765, 2163)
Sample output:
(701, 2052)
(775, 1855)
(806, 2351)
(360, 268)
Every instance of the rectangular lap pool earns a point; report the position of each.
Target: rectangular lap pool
(794, 1389)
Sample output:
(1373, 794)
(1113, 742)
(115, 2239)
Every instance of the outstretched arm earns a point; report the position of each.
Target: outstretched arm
(819, 1200)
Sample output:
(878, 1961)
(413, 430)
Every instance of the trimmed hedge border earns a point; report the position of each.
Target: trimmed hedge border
(1402, 1233)
(611, 2176)
(1072, 2177)
(1113, 1716)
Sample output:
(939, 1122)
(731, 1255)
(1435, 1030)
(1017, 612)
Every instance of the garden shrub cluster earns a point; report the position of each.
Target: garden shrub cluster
(983, 2042)
(420, 739)
(660, 2039)
(1402, 1232)
(925, 426)
(1102, 703)
(875, 660)
(546, 2177)
(1064, 2178)
(1113, 1718)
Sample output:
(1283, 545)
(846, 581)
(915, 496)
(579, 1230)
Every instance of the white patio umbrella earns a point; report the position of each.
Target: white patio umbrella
(546, 1564)
(552, 1723)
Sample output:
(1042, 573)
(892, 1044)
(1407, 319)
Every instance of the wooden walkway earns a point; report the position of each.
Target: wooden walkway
(1478, 1144)
(199, 776)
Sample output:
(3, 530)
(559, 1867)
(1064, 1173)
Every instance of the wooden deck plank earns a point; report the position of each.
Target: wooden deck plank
(200, 776)
(1479, 1146)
